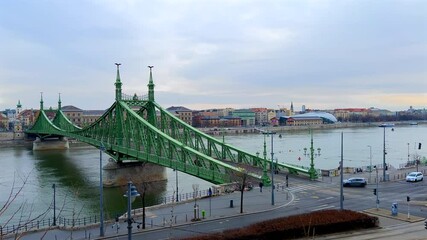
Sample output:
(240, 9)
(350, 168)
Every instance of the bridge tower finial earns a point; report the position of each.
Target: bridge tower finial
(59, 102)
(118, 84)
(151, 86)
(41, 101)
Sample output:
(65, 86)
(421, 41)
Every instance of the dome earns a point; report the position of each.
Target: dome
(327, 117)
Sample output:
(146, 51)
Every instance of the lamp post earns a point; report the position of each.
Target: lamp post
(131, 194)
(312, 171)
(196, 207)
(384, 151)
(271, 166)
(377, 192)
(54, 204)
(342, 172)
(101, 194)
(370, 162)
(408, 154)
(176, 179)
(265, 178)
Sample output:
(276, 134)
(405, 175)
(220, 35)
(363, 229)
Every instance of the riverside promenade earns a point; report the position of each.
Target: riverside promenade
(221, 207)
(172, 215)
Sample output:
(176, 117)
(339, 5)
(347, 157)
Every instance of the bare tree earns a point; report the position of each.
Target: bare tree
(241, 180)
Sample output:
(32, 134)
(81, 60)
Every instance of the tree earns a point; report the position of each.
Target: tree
(241, 180)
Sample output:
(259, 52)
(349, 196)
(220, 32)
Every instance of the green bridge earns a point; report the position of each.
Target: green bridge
(137, 129)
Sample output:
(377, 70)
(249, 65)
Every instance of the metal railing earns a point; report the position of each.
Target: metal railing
(85, 221)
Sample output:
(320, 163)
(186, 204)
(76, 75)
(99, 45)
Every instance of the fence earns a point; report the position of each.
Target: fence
(4, 230)
(81, 222)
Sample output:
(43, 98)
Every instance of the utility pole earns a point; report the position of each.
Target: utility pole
(341, 173)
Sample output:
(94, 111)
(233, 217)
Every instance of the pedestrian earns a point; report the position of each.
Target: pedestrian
(116, 224)
(260, 186)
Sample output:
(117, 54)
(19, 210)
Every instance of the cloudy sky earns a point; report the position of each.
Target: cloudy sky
(212, 54)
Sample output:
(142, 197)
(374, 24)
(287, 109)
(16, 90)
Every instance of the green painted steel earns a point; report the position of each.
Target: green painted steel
(139, 129)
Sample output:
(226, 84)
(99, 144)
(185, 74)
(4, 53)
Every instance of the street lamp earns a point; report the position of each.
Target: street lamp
(54, 204)
(342, 172)
(370, 162)
(101, 194)
(176, 178)
(131, 194)
(196, 207)
(408, 155)
(312, 171)
(377, 190)
(271, 166)
(384, 151)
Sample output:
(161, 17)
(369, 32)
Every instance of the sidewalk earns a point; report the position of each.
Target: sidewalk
(176, 214)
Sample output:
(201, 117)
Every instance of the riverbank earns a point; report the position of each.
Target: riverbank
(17, 142)
(258, 129)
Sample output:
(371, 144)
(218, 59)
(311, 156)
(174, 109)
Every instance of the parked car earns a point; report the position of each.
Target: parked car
(414, 177)
(354, 182)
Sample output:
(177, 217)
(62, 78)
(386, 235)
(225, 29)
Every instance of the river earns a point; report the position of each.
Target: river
(75, 172)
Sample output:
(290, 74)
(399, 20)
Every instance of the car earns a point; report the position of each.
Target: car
(354, 182)
(414, 177)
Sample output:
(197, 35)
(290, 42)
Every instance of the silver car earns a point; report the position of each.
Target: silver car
(354, 182)
(414, 177)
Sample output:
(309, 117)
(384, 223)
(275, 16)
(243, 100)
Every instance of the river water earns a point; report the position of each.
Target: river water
(75, 172)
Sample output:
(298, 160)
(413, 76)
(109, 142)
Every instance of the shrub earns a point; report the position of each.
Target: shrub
(298, 226)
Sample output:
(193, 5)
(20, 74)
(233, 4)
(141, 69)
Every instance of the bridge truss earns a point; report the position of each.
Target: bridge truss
(139, 129)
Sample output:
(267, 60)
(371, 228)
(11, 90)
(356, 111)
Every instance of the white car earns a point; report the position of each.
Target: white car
(414, 177)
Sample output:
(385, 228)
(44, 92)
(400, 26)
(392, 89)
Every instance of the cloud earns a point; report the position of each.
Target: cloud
(322, 54)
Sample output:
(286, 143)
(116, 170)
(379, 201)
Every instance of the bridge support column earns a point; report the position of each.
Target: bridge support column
(51, 144)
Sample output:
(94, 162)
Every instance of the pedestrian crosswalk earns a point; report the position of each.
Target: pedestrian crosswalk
(302, 188)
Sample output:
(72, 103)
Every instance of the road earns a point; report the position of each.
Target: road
(301, 196)
(313, 196)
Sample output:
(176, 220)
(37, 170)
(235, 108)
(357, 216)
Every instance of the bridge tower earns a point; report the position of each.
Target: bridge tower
(119, 116)
(41, 101)
(151, 111)
(118, 84)
(59, 102)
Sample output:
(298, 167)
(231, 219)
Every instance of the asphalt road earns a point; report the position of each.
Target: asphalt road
(305, 196)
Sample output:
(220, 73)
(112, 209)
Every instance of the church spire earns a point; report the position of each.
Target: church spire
(118, 84)
(151, 86)
(18, 107)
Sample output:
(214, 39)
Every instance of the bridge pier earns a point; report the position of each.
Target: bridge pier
(50, 144)
(119, 174)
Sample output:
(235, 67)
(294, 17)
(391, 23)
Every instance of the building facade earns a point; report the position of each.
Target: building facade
(247, 117)
(74, 114)
(182, 113)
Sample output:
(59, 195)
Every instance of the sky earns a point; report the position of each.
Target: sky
(216, 54)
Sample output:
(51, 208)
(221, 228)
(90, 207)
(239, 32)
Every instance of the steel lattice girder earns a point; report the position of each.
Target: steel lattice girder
(161, 139)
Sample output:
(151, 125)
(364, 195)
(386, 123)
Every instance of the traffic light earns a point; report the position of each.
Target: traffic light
(408, 198)
(419, 145)
(425, 224)
(375, 191)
